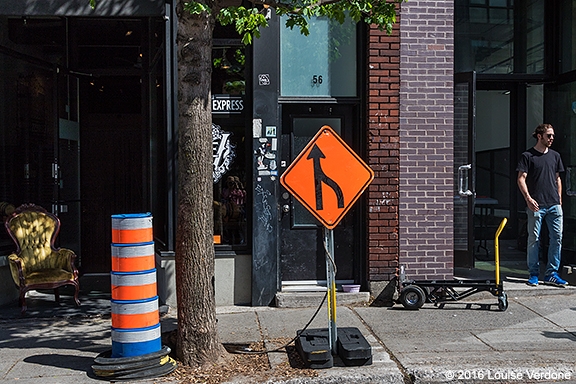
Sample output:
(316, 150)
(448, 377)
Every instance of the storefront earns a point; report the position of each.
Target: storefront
(514, 70)
(88, 128)
(88, 123)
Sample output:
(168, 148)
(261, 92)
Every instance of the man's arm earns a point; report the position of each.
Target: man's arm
(530, 202)
(559, 185)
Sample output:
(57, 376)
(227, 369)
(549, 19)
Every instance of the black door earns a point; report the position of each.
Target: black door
(302, 252)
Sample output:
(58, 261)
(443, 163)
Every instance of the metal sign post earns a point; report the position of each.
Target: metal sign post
(331, 286)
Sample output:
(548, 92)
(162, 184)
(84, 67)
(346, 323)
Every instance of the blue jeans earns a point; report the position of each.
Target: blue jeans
(553, 217)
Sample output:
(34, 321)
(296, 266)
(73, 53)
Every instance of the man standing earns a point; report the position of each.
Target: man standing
(539, 181)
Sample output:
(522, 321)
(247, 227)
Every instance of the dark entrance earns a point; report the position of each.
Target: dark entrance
(120, 89)
(112, 163)
(84, 134)
(302, 255)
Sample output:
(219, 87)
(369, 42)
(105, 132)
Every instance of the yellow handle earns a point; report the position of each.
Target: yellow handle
(497, 249)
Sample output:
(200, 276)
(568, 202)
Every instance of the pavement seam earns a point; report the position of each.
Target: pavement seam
(483, 342)
(10, 369)
(265, 341)
(541, 315)
(408, 377)
(547, 319)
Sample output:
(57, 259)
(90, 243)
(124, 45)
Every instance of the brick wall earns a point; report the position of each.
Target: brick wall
(426, 139)
(383, 152)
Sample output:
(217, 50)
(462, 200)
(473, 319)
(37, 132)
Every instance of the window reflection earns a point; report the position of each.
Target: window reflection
(499, 36)
(228, 134)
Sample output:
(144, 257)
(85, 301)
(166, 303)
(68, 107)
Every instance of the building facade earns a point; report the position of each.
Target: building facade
(440, 110)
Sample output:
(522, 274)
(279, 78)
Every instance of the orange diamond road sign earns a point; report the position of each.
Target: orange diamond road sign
(327, 177)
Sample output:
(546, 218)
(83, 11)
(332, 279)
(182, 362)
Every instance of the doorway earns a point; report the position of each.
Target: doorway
(492, 119)
(301, 244)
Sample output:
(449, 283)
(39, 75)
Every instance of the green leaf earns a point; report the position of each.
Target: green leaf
(246, 21)
(196, 8)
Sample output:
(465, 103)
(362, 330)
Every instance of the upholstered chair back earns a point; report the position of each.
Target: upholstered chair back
(35, 232)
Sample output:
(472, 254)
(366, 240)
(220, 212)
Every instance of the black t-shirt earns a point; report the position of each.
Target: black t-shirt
(541, 169)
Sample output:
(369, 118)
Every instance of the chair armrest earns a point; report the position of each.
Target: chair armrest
(66, 259)
(17, 269)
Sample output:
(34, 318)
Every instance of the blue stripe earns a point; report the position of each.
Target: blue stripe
(131, 244)
(134, 273)
(134, 301)
(131, 215)
(135, 349)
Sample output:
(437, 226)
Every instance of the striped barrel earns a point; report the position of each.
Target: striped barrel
(132, 228)
(132, 257)
(135, 316)
(136, 341)
(139, 285)
(135, 313)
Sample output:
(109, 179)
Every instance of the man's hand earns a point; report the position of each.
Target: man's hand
(532, 204)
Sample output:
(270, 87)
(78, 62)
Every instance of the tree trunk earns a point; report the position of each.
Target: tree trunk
(197, 341)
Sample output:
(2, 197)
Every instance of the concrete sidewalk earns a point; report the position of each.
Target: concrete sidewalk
(533, 341)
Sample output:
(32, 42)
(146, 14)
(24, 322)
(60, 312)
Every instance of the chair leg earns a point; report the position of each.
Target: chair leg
(22, 302)
(56, 295)
(76, 292)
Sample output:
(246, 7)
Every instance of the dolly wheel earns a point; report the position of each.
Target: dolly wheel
(503, 302)
(412, 297)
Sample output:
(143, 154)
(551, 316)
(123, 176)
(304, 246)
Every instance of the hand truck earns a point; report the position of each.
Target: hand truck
(414, 293)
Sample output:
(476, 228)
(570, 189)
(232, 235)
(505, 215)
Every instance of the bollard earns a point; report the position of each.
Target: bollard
(135, 316)
(132, 257)
(138, 285)
(135, 313)
(136, 341)
(132, 228)
(137, 350)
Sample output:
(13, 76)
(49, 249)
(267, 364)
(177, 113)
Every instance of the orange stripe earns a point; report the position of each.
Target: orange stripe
(132, 236)
(137, 292)
(140, 320)
(132, 264)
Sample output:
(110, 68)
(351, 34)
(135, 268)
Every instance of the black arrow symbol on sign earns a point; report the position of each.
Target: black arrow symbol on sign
(320, 177)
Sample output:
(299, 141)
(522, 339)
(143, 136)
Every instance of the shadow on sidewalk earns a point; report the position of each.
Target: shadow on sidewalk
(64, 361)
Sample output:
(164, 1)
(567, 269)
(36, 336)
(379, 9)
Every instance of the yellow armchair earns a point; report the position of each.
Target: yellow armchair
(37, 264)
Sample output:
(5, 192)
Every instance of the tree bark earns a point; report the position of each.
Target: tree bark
(197, 341)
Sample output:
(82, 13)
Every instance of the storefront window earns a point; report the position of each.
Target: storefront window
(26, 138)
(568, 36)
(560, 107)
(322, 64)
(499, 36)
(228, 143)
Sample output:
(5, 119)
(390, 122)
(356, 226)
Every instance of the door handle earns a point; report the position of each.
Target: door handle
(463, 180)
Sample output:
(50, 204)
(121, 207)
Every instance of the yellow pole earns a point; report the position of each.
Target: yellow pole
(331, 287)
(497, 249)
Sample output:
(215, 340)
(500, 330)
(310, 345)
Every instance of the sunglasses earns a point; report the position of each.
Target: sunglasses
(550, 135)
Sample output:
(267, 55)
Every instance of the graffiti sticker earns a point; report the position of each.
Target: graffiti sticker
(223, 151)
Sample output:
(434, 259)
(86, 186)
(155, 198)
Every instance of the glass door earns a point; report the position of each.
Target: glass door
(464, 168)
(66, 203)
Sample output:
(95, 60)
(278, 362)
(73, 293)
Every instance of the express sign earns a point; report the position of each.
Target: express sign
(227, 104)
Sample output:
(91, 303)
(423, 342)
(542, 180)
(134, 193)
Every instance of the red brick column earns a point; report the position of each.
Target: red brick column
(383, 154)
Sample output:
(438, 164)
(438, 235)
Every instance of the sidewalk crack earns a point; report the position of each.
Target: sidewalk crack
(409, 378)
